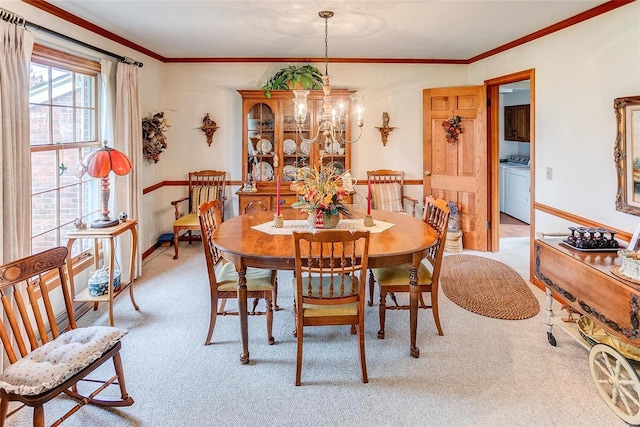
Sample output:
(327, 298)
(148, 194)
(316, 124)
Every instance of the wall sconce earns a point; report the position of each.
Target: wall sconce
(209, 127)
(385, 129)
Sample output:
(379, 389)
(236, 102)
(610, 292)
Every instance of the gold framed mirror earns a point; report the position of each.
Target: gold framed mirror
(627, 154)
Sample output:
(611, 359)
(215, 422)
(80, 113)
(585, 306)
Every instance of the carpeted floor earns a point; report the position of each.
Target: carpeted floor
(487, 287)
(482, 372)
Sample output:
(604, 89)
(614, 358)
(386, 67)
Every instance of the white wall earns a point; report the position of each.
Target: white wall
(578, 73)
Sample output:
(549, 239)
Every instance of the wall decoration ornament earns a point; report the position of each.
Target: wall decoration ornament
(452, 128)
(154, 141)
(209, 127)
(385, 129)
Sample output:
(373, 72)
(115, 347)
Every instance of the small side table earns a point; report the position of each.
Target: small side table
(110, 234)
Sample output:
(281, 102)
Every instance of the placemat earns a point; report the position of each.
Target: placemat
(291, 225)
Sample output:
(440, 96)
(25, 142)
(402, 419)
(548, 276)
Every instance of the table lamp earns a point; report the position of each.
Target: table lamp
(99, 164)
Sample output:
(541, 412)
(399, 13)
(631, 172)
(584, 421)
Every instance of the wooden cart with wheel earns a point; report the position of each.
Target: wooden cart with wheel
(614, 367)
(586, 282)
(617, 381)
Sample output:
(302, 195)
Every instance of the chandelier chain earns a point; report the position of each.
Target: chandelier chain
(332, 121)
(326, 45)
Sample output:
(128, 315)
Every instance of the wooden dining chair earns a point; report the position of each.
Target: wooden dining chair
(255, 206)
(387, 192)
(393, 280)
(223, 278)
(330, 266)
(203, 186)
(47, 354)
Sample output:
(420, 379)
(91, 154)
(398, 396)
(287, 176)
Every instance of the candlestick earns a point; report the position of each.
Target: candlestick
(278, 196)
(368, 221)
(369, 196)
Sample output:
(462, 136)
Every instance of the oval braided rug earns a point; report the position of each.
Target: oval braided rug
(487, 287)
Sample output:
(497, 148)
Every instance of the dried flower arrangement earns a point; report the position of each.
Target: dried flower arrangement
(154, 141)
(320, 190)
(452, 128)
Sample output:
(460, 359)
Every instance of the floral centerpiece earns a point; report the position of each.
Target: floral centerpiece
(321, 193)
(154, 141)
(452, 128)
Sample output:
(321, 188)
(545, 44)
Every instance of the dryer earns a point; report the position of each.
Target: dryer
(515, 187)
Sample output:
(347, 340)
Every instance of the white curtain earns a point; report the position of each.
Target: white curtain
(107, 100)
(16, 45)
(128, 139)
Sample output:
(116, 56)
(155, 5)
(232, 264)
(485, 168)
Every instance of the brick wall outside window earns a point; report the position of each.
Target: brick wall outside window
(64, 117)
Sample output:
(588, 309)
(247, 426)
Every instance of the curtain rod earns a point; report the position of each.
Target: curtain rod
(14, 18)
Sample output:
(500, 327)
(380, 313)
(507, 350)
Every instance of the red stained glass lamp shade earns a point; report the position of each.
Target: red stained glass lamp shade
(99, 164)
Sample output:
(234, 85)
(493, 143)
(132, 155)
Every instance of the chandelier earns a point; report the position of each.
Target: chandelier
(332, 119)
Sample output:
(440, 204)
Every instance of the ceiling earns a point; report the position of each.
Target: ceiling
(412, 30)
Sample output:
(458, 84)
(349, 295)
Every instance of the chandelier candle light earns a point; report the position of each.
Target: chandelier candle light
(333, 119)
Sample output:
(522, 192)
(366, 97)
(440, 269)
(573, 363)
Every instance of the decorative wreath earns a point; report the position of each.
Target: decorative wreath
(452, 128)
(154, 141)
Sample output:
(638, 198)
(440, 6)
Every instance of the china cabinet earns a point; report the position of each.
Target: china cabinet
(272, 148)
(516, 123)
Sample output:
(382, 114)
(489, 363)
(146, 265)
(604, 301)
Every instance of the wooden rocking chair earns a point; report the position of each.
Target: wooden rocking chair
(46, 359)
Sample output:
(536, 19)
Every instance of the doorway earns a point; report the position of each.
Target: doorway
(500, 92)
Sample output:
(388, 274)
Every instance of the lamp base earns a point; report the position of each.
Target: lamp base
(101, 223)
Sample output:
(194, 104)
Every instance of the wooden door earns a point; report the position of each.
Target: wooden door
(458, 172)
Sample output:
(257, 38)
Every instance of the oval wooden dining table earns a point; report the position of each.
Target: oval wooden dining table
(406, 242)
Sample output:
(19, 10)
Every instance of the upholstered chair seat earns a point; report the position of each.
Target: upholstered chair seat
(55, 362)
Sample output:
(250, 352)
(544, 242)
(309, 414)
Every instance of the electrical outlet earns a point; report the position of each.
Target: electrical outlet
(549, 173)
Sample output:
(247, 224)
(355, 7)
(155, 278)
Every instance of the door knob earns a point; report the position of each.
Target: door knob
(427, 173)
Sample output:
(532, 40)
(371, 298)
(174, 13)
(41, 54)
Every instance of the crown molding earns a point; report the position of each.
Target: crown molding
(581, 17)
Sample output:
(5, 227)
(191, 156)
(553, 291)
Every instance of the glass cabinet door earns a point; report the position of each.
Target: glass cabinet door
(334, 153)
(261, 149)
(295, 152)
(273, 146)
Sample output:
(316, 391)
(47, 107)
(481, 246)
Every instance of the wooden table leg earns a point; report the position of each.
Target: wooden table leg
(176, 238)
(414, 295)
(110, 280)
(243, 314)
(132, 270)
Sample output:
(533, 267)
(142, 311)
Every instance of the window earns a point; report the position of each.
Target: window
(63, 102)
